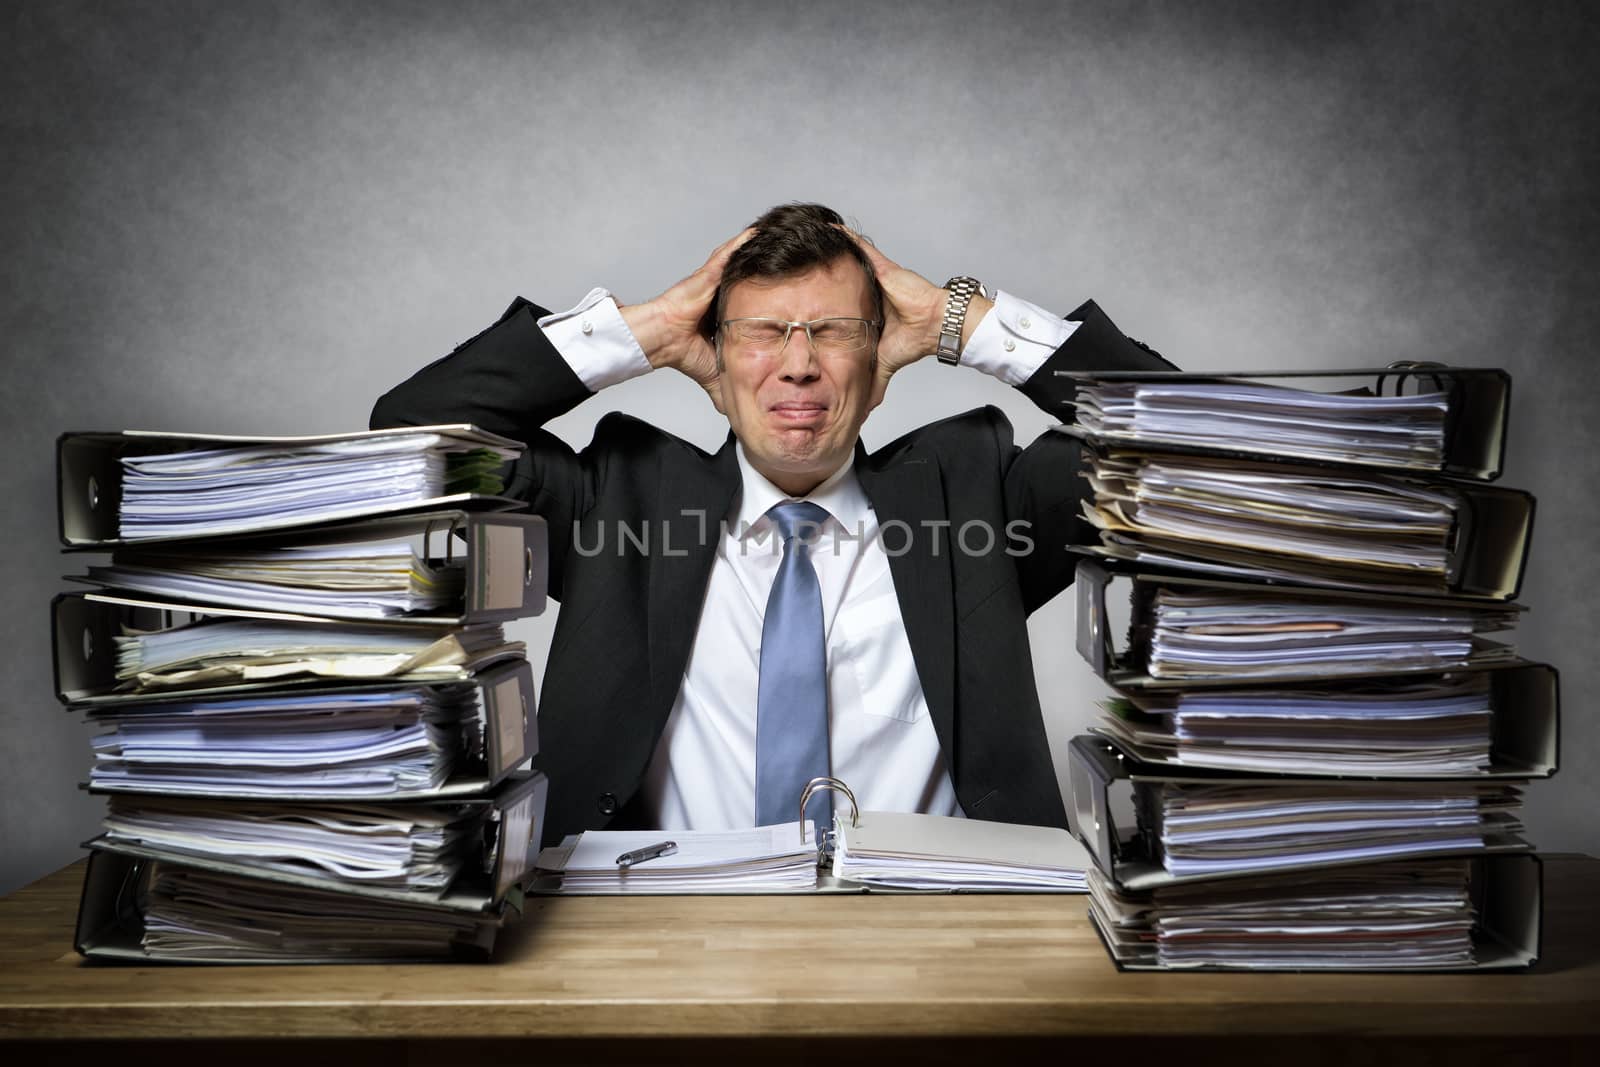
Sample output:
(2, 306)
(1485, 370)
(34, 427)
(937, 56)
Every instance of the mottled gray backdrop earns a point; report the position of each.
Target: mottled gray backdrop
(256, 216)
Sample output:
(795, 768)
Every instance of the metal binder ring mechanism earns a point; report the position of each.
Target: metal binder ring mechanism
(826, 783)
(1403, 369)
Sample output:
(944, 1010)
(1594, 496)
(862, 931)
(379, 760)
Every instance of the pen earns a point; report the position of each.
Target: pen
(650, 852)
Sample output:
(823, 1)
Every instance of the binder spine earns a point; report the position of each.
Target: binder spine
(517, 823)
(1091, 768)
(511, 734)
(88, 488)
(505, 566)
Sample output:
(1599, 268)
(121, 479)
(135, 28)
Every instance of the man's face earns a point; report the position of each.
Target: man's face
(798, 412)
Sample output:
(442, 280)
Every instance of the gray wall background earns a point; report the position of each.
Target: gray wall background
(254, 217)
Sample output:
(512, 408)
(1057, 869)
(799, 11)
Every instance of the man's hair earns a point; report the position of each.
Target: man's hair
(790, 239)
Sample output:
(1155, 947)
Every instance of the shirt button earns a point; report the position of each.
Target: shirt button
(607, 803)
(1011, 346)
(586, 326)
(1025, 323)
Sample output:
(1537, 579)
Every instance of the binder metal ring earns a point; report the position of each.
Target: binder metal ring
(1407, 368)
(829, 783)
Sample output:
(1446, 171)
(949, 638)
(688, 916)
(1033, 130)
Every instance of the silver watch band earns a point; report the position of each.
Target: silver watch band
(962, 290)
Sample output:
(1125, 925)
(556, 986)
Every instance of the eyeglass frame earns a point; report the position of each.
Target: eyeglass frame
(871, 324)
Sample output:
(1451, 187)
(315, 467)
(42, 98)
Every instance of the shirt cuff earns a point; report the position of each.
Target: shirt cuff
(1014, 339)
(595, 342)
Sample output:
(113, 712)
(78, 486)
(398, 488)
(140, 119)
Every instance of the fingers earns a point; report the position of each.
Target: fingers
(719, 258)
(696, 290)
(881, 264)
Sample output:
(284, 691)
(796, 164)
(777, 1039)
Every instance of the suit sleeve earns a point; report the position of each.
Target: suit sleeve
(1096, 345)
(510, 380)
(1044, 484)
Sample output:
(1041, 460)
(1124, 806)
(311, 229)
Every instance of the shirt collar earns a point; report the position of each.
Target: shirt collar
(841, 495)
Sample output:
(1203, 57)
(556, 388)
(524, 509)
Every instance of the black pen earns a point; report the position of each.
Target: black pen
(650, 852)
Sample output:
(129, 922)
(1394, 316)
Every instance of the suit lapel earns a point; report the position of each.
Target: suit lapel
(692, 500)
(907, 494)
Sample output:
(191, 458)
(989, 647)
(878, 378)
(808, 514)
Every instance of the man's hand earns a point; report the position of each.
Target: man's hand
(668, 327)
(912, 313)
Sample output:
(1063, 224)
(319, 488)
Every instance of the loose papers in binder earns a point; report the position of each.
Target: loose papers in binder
(1389, 728)
(1238, 635)
(1302, 518)
(1358, 427)
(1306, 525)
(225, 488)
(1230, 829)
(404, 846)
(358, 744)
(220, 651)
(1406, 915)
(351, 579)
(192, 914)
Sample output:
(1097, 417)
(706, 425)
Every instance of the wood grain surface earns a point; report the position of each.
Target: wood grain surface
(739, 968)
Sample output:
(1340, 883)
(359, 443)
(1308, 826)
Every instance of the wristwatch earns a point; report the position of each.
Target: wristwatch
(962, 290)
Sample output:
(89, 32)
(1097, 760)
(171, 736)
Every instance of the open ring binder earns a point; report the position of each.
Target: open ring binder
(826, 783)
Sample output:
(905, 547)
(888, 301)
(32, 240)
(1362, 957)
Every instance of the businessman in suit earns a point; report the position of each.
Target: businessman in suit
(733, 623)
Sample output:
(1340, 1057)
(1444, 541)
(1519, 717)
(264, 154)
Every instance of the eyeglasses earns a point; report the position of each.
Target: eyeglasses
(769, 336)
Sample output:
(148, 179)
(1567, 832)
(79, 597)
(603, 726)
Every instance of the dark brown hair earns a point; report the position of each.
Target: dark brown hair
(790, 239)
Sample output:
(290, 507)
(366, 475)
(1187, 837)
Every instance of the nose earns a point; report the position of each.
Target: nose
(798, 358)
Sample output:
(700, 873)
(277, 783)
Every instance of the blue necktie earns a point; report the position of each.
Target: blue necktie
(792, 697)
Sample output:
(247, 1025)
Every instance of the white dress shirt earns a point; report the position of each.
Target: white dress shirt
(880, 738)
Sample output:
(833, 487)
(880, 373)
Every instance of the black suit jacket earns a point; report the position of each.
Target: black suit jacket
(628, 617)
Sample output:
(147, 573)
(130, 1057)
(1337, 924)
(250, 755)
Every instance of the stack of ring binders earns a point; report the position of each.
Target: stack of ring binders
(316, 739)
(1315, 756)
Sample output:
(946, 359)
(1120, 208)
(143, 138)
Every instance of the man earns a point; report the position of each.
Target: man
(732, 624)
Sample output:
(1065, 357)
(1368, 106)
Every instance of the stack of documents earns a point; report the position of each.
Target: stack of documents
(766, 859)
(1356, 427)
(227, 488)
(1317, 519)
(220, 651)
(366, 579)
(1231, 829)
(1231, 635)
(1306, 525)
(1393, 729)
(372, 743)
(1397, 916)
(315, 732)
(897, 850)
(407, 846)
(192, 914)
(1306, 689)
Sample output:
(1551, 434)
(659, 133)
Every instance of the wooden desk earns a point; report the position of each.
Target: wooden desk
(785, 979)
